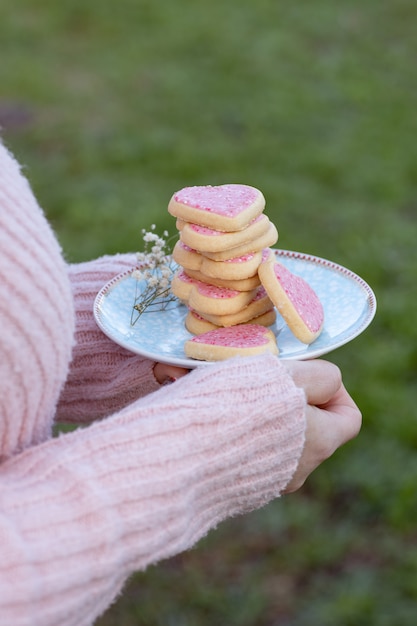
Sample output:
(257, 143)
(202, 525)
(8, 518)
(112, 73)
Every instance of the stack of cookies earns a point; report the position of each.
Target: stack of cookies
(230, 279)
(224, 237)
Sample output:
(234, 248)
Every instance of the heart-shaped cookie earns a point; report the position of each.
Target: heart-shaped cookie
(223, 207)
(294, 298)
(224, 343)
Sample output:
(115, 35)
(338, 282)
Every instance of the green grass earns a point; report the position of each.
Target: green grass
(114, 106)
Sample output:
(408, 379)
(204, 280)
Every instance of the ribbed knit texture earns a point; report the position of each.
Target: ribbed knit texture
(80, 512)
(103, 377)
(36, 314)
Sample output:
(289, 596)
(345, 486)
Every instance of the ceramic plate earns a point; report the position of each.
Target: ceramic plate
(348, 301)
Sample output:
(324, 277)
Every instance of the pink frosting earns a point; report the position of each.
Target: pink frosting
(241, 259)
(186, 279)
(187, 248)
(196, 315)
(260, 293)
(212, 291)
(302, 296)
(242, 336)
(227, 200)
(206, 289)
(203, 230)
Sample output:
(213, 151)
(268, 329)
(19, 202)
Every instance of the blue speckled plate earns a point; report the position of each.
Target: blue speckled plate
(348, 301)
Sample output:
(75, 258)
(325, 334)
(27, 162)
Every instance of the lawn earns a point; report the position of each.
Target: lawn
(114, 106)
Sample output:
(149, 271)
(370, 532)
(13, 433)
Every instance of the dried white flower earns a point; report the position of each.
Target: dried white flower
(137, 274)
(153, 281)
(153, 275)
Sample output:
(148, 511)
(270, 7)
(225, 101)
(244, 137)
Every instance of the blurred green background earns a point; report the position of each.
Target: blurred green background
(113, 106)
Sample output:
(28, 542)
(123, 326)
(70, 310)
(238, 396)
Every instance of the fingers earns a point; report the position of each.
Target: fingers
(319, 379)
(326, 431)
(342, 409)
(332, 417)
(166, 374)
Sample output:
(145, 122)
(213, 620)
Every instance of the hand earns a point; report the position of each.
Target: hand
(166, 374)
(332, 416)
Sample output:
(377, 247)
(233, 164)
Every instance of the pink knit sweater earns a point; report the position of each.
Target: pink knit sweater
(80, 512)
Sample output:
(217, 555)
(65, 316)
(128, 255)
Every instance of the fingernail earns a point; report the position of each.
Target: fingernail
(168, 380)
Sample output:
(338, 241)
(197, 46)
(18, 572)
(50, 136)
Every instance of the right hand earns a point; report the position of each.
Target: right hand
(332, 416)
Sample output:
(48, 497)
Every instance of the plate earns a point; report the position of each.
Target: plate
(348, 301)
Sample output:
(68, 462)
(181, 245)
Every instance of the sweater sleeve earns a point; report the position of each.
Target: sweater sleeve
(103, 376)
(80, 513)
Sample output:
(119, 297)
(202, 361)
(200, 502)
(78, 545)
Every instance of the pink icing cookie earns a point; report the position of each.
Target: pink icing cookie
(224, 343)
(182, 284)
(204, 239)
(245, 266)
(260, 303)
(196, 324)
(269, 238)
(207, 298)
(224, 207)
(189, 258)
(294, 298)
(243, 284)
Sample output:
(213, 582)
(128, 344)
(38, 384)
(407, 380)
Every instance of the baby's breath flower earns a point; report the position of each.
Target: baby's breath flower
(153, 281)
(147, 237)
(137, 274)
(153, 275)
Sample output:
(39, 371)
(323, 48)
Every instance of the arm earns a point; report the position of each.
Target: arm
(103, 376)
(80, 513)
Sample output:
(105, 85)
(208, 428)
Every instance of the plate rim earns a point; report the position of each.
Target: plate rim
(192, 363)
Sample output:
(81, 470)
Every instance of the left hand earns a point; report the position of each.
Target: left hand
(166, 374)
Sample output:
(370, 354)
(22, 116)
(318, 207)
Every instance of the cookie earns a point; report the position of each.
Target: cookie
(260, 303)
(238, 268)
(181, 285)
(206, 298)
(265, 319)
(224, 343)
(245, 266)
(264, 241)
(224, 207)
(209, 299)
(243, 284)
(186, 256)
(294, 298)
(204, 239)
(196, 324)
